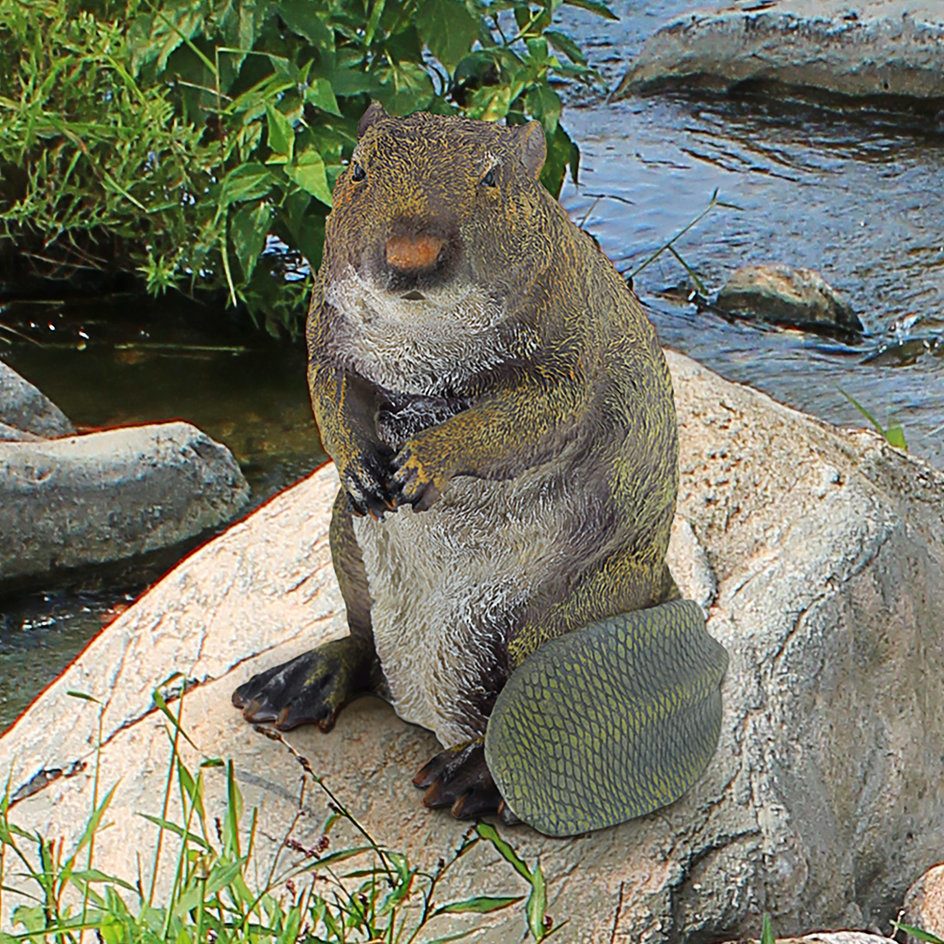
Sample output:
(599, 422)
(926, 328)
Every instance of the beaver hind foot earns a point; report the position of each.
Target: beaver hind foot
(460, 779)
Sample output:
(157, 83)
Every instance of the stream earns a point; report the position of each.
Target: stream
(853, 192)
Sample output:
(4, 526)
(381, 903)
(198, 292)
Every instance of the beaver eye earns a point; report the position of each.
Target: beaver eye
(489, 179)
(358, 172)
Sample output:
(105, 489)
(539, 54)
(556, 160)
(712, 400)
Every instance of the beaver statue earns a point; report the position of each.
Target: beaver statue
(501, 417)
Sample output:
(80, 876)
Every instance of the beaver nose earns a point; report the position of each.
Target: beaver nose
(413, 253)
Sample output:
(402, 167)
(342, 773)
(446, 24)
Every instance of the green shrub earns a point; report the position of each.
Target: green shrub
(172, 138)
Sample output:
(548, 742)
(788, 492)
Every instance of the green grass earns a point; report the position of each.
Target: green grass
(336, 890)
(893, 434)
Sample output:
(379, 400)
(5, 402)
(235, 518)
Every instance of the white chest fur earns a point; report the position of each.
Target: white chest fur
(446, 582)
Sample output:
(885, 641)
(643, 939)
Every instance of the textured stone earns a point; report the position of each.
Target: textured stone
(105, 496)
(822, 801)
(862, 48)
(829, 937)
(25, 408)
(782, 294)
(923, 906)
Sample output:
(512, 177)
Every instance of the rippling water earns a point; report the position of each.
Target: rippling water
(852, 192)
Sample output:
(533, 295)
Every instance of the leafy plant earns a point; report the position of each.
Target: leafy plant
(360, 892)
(196, 143)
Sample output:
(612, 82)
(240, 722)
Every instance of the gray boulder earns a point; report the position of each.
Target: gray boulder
(873, 47)
(782, 294)
(106, 496)
(820, 553)
(24, 408)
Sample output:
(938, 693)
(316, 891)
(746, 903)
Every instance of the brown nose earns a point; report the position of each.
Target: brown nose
(410, 253)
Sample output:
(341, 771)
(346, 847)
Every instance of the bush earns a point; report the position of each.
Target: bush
(196, 143)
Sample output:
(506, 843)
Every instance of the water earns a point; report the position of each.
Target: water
(852, 193)
(106, 370)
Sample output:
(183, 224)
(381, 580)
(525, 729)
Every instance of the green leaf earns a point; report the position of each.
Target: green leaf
(404, 87)
(594, 6)
(490, 103)
(559, 155)
(537, 904)
(248, 228)
(246, 182)
(895, 436)
(320, 94)
(566, 45)
(448, 29)
(483, 904)
(918, 933)
(487, 831)
(310, 20)
(545, 104)
(281, 136)
(308, 171)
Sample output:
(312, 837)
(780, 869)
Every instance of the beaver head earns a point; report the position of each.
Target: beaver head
(438, 225)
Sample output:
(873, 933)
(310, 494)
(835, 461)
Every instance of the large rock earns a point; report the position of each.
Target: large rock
(821, 805)
(23, 407)
(106, 496)
(870, 47)
(829, 937)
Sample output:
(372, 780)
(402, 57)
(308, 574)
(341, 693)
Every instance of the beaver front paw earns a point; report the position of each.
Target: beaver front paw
(415, 482)
(460, 778)
(310, 689)
(365, 481)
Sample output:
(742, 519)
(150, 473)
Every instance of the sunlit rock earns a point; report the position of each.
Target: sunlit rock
(923, 907)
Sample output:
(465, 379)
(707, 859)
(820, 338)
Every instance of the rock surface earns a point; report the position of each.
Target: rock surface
(860, 48)
(924, 903)
(826, 548)
(829, 937)
(106, 496)
(25, 408)
(782, 294)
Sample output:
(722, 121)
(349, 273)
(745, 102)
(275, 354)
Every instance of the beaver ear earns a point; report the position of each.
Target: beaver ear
(532, 149)
(375, 111)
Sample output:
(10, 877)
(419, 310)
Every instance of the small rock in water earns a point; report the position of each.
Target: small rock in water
(904, 353)
(924, 903)
(785, 295)
(107, 496)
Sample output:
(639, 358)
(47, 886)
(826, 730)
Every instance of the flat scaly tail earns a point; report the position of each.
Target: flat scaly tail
(610, 721)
